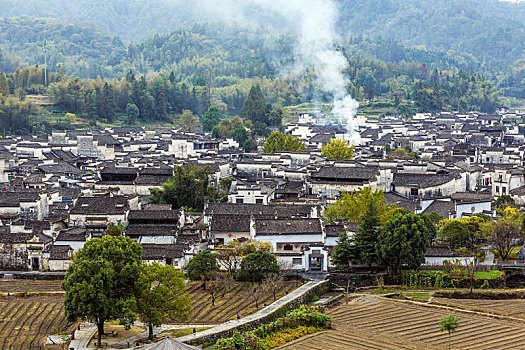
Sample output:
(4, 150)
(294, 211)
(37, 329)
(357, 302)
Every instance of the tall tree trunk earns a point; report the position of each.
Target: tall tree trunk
(150, 328)
(100, 327)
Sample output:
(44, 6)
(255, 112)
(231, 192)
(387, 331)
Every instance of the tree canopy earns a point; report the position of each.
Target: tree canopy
(203, 267)
(257, 265)
(162, 294)
(351, 205)
(338, 149)
(100, 282)
(280, 142)
(504, 232)
(402, 241)
(187, 188)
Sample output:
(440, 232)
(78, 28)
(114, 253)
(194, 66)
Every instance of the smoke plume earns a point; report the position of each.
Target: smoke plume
(313, 23)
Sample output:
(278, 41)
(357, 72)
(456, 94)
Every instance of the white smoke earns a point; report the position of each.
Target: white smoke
(313, 23)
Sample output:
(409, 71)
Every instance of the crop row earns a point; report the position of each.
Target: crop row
(236, 301)
(24, 322)
(387, 324)
(511, 307)
(22, 286)
(420, 325)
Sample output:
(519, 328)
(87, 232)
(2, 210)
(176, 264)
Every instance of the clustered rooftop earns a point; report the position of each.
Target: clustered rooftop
(57, 193)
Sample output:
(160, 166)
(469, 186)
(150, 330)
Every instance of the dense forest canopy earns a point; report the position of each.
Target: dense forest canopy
(152, 61)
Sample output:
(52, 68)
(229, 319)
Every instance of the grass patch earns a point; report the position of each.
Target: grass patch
(489, 274)
(176, 333)
(383, 290)
(417, 295)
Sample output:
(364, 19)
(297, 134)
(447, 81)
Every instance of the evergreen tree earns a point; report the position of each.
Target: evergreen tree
(4, 86)
(100, 283)
(211, 118)
(366, 237)
(344, 252)
(254, 108)
(402, 241)
(108, 104)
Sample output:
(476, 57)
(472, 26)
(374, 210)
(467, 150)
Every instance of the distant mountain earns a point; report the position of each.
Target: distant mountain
(90, 38)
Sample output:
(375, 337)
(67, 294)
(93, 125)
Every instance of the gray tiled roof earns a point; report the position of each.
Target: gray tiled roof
(288, 226)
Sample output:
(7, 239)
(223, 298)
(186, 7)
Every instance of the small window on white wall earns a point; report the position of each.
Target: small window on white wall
(297, 261)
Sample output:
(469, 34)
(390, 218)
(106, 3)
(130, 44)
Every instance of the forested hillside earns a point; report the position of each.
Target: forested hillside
(403, 57)
(109, 38)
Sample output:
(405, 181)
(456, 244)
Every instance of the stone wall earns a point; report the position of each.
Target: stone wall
(266, 315)
(13, 258)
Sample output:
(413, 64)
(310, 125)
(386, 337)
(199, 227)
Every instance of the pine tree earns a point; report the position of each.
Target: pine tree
(108, 103)
(4, 86)
(367, 232)
(254, 108)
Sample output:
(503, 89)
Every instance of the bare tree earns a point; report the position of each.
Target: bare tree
(225, 283)
(273, 281)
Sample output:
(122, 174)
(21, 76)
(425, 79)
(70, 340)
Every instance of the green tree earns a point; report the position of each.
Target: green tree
(100, 283)
(161, 294)
(4, 86)
(402, 241)
(256, 266)
(338, 149)
(211, 118)
(254, 108)
(280, 142)
(344, 252)
(187, 122)
(456, 234)
(203, 267)
(133, 112)
(449, 324)
(225, 185)
(503, 201)
(432, 220)
(108, 104)
(187, 188)
(504, 232)
(343, 255)
(240, 135)
(352, 205)
(365, 239)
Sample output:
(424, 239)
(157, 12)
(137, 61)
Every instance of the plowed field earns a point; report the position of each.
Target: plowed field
(24, 286)
(236, 301)
(370, 322)
(512, 307)
(25, 322)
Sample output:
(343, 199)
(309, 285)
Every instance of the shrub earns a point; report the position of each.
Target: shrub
(294, 324)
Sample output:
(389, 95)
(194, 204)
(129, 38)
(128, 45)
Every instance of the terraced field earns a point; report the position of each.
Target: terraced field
(513, 307)
(24, 286)
(370, 322)
(25, 322)
(235, 302)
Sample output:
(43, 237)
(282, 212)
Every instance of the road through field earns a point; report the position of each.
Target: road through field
(371, 322)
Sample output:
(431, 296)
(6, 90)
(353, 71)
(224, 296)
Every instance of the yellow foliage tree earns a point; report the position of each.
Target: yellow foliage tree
(352, 205)
(338, 149)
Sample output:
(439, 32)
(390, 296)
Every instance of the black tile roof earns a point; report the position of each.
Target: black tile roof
(76, 234)
(163, 251)
(101, 205)
(288, 226)
(230, 223)
(421, 180)
(153, 214)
